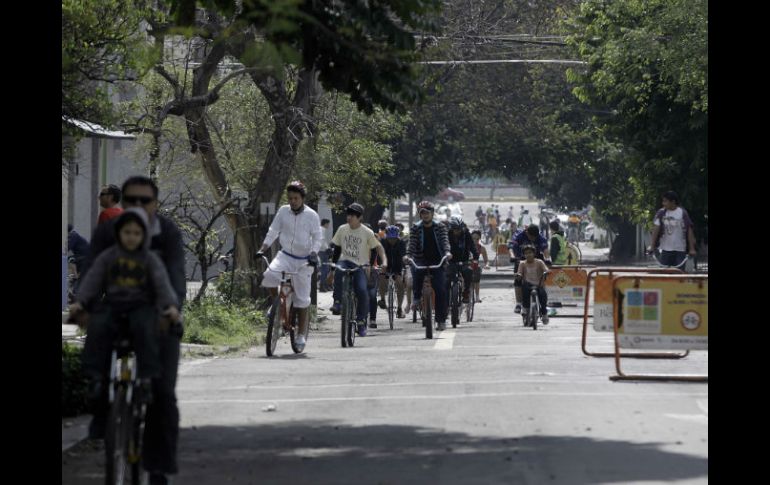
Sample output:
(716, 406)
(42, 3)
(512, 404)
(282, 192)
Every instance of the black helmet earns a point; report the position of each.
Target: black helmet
(355, 208)
(455, 222)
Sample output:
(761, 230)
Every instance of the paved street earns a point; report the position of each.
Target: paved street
(489, 402)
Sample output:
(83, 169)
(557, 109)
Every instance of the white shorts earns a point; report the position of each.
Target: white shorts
(300, 282)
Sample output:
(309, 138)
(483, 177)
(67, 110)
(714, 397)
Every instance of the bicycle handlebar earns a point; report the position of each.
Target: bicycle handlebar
(440, 264)
(680, 265)
(347, 270)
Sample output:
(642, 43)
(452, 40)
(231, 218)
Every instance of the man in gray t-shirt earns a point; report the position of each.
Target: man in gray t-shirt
(673, 232)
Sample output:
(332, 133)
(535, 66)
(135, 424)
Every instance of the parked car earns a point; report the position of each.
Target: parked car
(450, 194)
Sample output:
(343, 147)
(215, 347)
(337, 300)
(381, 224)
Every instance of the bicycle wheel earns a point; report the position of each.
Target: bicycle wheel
(455, 304)
(345, 315)
(295, 330)
(116, 439)
(135, 445)
(391, 305)
(427, 317)
(274, 327)
(353, 310)
(469, 307)
(534, 310)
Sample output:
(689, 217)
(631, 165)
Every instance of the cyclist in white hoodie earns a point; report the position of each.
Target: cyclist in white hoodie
(298, 230)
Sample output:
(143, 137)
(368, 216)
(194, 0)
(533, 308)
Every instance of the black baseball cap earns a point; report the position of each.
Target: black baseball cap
(355, 208)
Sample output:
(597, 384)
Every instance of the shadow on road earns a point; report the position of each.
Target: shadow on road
(321, 452)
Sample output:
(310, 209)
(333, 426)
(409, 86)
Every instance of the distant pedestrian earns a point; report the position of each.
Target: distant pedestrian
(109, 198)
(673, 232)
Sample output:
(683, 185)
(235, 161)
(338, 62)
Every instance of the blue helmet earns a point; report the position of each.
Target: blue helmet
(392, 231)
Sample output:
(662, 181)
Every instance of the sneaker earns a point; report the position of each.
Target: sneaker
(335, 308)
(361, 329)
(517, 309)
(441, 326)
(382, 304)
(478, 300)
(544, 318)
(158, 479)
(400, 314)
(416, 304)
(299, 342)
(372, 323)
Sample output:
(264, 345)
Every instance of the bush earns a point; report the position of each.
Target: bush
(74, 386)
(213, 321)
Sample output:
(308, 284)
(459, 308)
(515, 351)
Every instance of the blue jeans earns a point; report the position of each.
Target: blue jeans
(672, 258)
(526, 291)
(438, 282)
(359, 287)
(323, 256)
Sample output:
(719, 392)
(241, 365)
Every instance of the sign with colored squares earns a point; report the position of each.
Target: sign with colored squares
(659, 313)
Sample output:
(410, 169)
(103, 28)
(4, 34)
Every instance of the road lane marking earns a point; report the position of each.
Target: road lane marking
(445, 340)
(409, 397)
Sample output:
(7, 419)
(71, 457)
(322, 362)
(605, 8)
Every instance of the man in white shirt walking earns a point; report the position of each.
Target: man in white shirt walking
(673, 232)
(298, 230)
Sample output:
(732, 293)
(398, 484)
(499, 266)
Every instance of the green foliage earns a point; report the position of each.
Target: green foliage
(74, 386)
(101, 44)
(213, 321)
(648, 66)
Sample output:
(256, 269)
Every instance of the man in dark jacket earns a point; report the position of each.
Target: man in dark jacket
(428, 244)
(162, 421)
(463, 249)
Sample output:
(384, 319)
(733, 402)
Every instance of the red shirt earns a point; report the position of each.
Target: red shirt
(109, 213)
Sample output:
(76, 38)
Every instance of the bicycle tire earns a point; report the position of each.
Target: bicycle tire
(344, 319)
(470, 307)
(352, 330)
(391, 307)
(427, 316)
(534, 310)
(137, 426)
(273, 327)
(455, 305)
(292, 333)
(116, 439)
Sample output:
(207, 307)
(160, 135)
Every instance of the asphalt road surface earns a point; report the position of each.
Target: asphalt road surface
(489, 402)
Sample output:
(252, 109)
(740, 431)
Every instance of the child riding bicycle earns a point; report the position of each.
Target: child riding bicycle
(136, 286)
(530, 272)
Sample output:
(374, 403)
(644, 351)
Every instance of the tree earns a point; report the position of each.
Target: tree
(648, 67)
(101, 46)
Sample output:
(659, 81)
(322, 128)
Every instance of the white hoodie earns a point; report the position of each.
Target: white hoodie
(300, 234)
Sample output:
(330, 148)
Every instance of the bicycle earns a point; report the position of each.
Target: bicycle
(530, 319)
(456, 287)
(349, 305)
(128, 407)
(574, 255)
(282, 309)
(428, 298)
(684, 266)
(391, 298)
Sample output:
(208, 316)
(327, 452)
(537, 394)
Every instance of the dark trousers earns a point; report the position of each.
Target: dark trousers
(672, 258)
(467, 275)
(526, 289)
(323, 256)
(359, 287)
(161, 431)
(438, 282)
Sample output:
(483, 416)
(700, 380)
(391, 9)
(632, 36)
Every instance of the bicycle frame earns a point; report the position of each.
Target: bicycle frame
(427, 286)
(287, 318)
(349, 304)
(456, 304)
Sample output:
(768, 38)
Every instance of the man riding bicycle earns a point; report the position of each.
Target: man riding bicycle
(461, 246)
(529, 237)
(395, 250)
(353, 243)
(428, 244)
(298, 228)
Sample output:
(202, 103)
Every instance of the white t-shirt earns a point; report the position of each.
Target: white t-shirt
(356, 244)
(673, 231)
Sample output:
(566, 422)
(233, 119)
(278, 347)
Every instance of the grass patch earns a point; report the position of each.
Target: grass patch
(74, 386)
(212, 321)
